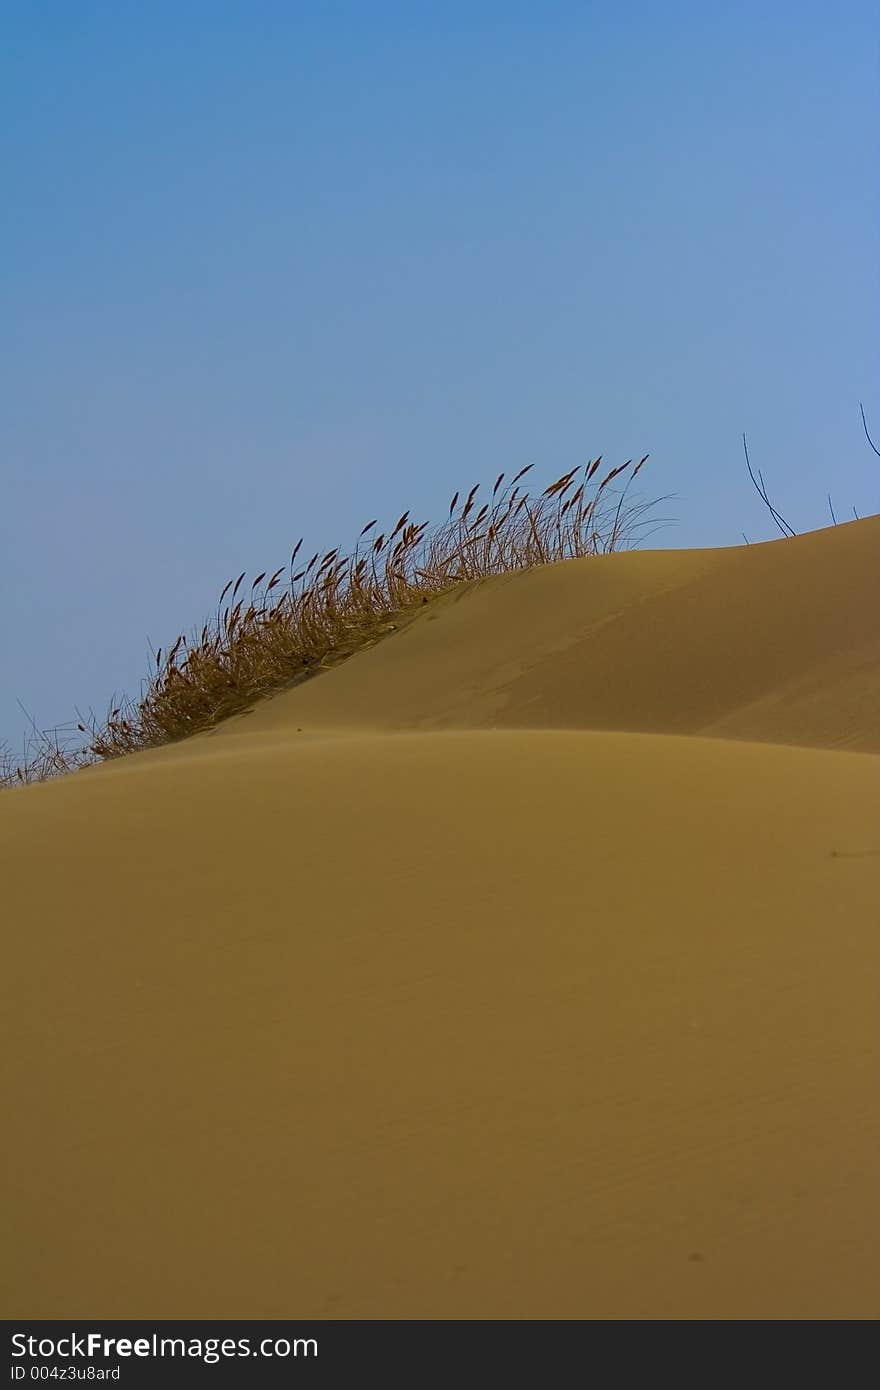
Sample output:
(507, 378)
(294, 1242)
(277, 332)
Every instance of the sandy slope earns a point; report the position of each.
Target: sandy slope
(769, 642)
(473, 978)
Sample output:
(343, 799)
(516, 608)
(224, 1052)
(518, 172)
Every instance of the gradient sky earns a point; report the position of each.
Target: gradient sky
(272, 269)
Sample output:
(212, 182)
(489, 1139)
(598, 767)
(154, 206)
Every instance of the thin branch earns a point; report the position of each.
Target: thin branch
(831, 509)
(761, 490)
(867, 436)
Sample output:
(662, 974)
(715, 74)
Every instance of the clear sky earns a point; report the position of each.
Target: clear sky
(277, 268)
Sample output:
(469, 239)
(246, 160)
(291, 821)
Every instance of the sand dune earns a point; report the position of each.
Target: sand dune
(769, 642)
(525, 965)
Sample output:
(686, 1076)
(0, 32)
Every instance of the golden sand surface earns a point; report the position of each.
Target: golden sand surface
(525, 965)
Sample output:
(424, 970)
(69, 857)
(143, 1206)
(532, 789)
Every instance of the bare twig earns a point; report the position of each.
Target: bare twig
(865, 427)
(761, 490)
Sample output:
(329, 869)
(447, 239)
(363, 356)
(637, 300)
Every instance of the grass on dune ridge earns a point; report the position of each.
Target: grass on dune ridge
(287, 624)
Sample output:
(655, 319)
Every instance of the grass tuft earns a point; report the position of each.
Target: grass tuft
(290, 625)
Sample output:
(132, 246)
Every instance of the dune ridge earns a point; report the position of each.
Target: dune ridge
(774, 642)
(524, 965)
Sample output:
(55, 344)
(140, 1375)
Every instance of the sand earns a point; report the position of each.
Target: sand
(524, 965)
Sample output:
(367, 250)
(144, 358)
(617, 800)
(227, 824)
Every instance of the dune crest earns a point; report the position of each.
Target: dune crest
(778, 642)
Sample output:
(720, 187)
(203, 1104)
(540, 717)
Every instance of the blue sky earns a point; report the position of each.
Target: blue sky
(274, 269)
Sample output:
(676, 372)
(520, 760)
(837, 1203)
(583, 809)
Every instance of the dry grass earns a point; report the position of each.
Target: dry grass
(285, 625)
